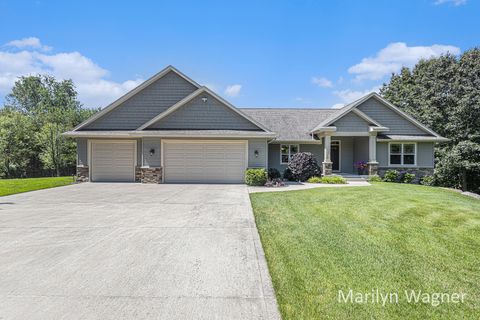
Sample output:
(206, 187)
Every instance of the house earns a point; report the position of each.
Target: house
(171, 129)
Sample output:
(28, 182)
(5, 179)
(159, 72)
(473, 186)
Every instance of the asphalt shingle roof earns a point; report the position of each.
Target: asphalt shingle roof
(289, 124)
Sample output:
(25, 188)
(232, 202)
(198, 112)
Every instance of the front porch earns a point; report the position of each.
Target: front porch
(341, 153)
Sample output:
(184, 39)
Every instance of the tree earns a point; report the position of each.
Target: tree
(52, 108)
(427, 92)
(465, 120)
(459, 167)
(444, 93)
(16, 130)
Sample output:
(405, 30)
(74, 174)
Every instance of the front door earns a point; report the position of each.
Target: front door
(335, 155)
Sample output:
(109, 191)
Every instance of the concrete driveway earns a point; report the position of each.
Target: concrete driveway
(132, 251)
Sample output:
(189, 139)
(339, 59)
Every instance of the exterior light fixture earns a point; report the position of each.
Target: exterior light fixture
(152, 152)
(204, 99)
(256, 153)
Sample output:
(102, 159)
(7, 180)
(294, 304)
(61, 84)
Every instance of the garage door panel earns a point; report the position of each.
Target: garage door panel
(113, 161)
(210, 162)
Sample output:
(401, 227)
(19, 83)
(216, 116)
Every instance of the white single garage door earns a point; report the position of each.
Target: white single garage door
(113, 160)
(205, 161)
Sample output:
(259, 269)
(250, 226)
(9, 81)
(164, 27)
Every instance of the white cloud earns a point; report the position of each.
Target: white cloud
(338, 106)
(92, 83)
(322, 82)
(30, 42)
(454, 2)
(233, 90)
(393, 57)
(349, 95)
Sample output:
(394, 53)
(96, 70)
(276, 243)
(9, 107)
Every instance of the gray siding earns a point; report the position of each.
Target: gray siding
(346, 153)
(145, 105)
(389, 118)
(274, 155)
(197, 114)
(151, 160)
(360, 151)
(261, 146)
(351, 123)
(82, 157)
(425, 155)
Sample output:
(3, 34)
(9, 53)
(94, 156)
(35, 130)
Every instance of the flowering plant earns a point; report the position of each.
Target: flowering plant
(360, 165)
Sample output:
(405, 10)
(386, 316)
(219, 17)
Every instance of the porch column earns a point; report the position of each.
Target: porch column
(327, 162)
(372, 164)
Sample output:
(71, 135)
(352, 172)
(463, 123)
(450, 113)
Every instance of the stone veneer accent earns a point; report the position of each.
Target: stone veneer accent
(82, 173)
(148, 174)
(138, 174)
(418, 172)
(372, 168)
(326, 168)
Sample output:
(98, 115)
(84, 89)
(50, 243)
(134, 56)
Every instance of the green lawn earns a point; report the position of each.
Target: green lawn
(393, 237)
(12, 186)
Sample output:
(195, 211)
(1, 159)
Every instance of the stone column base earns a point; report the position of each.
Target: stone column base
(372, 168)
(326, 168)
(82, 173)
(150, 175)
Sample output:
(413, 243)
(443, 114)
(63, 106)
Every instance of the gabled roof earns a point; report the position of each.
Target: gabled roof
(133, 92)
(290, 124)
(341, 112)
(281, 123)
(193, 95)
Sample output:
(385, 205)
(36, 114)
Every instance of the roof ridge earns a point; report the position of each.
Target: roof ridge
(279, 108)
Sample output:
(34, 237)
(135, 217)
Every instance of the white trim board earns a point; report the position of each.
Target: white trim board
(133, 92)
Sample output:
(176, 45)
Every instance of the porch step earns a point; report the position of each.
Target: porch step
(353, 177)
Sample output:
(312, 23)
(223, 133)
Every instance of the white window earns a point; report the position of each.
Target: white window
(402, 154)
(287, 151)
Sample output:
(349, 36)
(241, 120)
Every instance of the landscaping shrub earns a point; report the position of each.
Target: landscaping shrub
(328, 180)
(287, 175)
(315, 180)
(408, 177)
(303, 166)
(273, 173)
(334, 180)
(427, 180)
(256, 177)
(391, 176)
(375, 178)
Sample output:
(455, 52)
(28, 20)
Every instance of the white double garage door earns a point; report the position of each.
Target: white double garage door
(213, 161)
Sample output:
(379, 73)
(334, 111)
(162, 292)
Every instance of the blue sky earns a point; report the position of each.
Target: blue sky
(254, 53)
